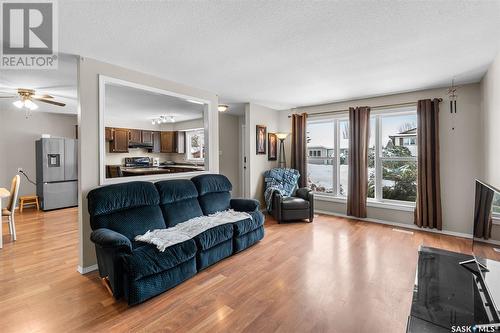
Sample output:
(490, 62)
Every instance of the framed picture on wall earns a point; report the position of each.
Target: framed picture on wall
(260, 138)
(272, 147)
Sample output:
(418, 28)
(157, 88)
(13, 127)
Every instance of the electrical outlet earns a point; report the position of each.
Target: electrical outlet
(19, 169)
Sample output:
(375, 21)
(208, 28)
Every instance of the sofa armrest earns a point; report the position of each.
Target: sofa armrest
(107, 238)
(304, 193)
(245, 205)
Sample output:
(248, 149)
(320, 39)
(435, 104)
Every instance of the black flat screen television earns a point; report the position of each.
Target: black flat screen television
(486, 249)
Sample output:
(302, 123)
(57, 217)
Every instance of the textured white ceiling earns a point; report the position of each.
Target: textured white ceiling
(137, 105)
(60, 83)
(289, 53)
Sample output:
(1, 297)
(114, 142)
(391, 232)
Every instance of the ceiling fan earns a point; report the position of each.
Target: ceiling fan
(26, 97)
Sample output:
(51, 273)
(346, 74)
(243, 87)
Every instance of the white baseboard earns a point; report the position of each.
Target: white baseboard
(397, 224)
(85, 270)
(489, 241)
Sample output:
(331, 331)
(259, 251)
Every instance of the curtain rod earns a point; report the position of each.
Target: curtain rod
(377, 107)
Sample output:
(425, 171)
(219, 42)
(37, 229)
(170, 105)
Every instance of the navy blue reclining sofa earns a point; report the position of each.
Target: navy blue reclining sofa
(137, 270)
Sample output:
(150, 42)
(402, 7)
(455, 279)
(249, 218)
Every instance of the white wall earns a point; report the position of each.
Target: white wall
(229, 150)
(257, 164)
(490, 89)
(88, 86)
(17, 142)
(285, 126)
(461, 154)
(185, 125)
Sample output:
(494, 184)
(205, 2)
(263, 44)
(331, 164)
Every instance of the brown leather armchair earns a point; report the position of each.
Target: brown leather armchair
(297, 207)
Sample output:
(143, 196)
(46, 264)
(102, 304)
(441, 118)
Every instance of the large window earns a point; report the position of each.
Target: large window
(496, 205)
(392, 155)
(396, 156)
(195, 145)
(327, 146)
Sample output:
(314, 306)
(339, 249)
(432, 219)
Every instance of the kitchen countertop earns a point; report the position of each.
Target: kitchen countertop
(165, 166)
(159, 170)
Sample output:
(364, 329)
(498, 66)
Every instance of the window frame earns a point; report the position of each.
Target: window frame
(335, 119)
(378, 200)
(379, 159)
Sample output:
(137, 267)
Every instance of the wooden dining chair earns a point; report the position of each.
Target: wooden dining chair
(11, 206)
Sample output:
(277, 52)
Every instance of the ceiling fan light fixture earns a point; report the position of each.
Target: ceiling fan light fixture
(30, 105)
(18, 104)
(222, 107)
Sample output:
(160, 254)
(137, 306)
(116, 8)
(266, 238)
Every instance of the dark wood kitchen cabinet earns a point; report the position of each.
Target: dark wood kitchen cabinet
(167, 142)
(147, 137)
(108, 134)
(135, 136)
(120, 141)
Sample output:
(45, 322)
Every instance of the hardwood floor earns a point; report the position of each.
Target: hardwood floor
(333, 275)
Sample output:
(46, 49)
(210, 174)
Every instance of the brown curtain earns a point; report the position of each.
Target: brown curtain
(359, 133)
(299, 146)
(428, 207)
(482, 211)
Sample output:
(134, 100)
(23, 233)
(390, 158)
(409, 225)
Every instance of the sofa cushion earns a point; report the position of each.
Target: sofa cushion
(214, 236)
(209, 257)
(213, 191)
(132, 222)
(245, 226)
(211, 183)
(130, 209)
(214, 202)
(138, 291)
(291, 203)
(147, 260)
(248, 239)
(178, 201)
(112, 198)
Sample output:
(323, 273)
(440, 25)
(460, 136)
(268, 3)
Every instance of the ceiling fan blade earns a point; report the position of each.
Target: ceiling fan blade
(42, 96)
(51, 102)
(57, 87)
(7, 91)
(13, 96)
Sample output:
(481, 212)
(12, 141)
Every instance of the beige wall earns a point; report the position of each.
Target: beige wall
(461, 154)
(490, 89)
(229, 150)
(17, 142)
(88, 86)
(257, 164)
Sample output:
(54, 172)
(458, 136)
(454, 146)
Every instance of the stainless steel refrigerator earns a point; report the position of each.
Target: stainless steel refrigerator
(57, 172)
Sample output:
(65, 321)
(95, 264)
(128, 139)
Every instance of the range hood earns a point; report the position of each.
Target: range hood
(140, 145)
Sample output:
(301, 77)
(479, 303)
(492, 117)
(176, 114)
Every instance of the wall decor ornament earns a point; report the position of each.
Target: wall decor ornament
(260, 139)
(272, 147)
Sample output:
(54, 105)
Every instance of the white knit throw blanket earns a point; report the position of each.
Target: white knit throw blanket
(181, 232)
